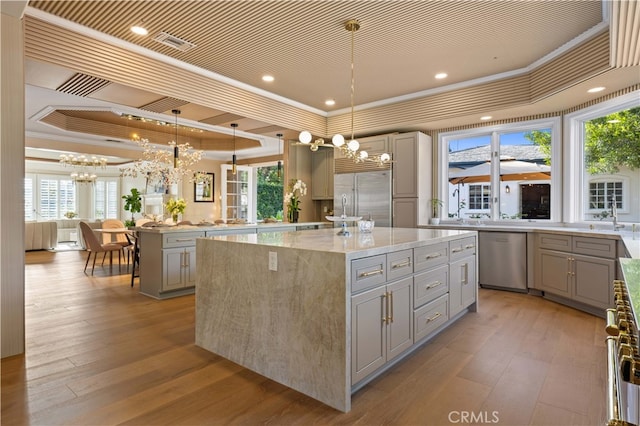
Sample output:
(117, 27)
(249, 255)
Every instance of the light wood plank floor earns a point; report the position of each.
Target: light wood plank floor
(99, 353)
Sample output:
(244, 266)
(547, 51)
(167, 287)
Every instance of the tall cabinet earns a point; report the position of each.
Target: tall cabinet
(412, 181)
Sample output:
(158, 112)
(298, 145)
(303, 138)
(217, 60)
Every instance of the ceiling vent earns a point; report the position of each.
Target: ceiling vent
(82, 85)
(173, 41)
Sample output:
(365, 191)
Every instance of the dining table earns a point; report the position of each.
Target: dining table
(113, 232)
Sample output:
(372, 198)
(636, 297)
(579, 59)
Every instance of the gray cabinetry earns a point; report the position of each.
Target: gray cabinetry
(401, 298)
(382, 326)
(411, 188)
(322, 174)
(577, 269)
(462, 274)
(168, 263)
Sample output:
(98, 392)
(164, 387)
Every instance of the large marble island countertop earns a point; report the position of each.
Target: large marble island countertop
(279, 303)
(358, 244)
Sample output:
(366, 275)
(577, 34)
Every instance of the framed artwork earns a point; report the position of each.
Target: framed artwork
(203, 189)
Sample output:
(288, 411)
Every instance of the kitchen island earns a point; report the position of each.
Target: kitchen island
(168, 252)
(325, 314)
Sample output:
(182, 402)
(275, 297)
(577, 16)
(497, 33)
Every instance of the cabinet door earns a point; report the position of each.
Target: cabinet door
(189, 267)
(322, 175)
(462, 284)
(405, 212)
(554, 270)
(368, 333)
(400, 323)
(405, 166)
(592, 280)
(172, 265)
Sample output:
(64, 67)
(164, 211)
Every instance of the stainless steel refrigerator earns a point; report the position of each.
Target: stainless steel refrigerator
(367, 194)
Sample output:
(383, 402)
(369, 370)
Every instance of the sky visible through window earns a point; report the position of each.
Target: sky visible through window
(505, 139)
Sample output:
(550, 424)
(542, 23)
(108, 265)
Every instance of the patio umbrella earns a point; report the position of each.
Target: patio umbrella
(510, 170)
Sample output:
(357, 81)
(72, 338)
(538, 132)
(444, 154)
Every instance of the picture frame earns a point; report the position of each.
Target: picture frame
(203, 189)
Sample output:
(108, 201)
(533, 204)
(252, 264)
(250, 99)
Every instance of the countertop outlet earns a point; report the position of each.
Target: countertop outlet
(273, 261)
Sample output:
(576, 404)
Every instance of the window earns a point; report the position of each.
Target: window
(269, 192)
(54, 196)
(602, 193)
(29, 199)
(604, 160)
(479, 197)
(502, 172)
(238, 193)
(107, 200)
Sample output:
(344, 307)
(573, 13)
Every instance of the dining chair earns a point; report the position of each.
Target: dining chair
(134, 249)
(95, 246)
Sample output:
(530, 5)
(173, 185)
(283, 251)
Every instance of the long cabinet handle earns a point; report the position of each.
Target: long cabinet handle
(433, 256)
(401, 265)
(371, 273)
(184, 240)
(433, 318)
(385, 307)
(465, 273)
(457, 250)
(470, 246)
(433, 285)
(390, 307)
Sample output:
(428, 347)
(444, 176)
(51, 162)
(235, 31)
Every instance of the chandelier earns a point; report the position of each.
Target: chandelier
(82, 161)
(83, 177)
(167, 166)
(350, 149)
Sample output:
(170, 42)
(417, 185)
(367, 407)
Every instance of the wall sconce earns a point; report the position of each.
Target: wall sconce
(507, 189)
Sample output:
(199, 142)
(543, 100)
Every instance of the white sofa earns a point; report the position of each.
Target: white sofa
(40, 235)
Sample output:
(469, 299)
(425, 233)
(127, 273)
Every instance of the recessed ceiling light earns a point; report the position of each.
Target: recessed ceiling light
(268, 78)
(139, 29)
(441, 75)
(330, 102)
(596, 89)
(486, 117)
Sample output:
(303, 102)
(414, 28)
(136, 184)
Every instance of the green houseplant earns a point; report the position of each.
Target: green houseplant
(435, 204)
(133, 204)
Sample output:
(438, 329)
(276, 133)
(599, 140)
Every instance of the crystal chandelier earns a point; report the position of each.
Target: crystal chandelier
(350, 149)
(83, 177)
(166, 166)
(82, 161)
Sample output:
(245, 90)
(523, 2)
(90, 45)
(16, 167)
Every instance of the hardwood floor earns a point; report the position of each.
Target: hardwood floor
(99, 353)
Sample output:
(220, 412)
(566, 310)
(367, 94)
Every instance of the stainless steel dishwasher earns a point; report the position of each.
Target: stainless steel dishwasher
(503, 260)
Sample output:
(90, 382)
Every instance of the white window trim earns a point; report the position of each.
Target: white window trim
(574, 174)
(553, 123)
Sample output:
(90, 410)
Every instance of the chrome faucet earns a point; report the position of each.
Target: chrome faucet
(614, 213)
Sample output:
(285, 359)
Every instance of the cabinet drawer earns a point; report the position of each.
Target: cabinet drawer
(461, 248)
(368, 272)
(427, 257)
(430, 285)
(399, 264)
(554, 242)
(182, 239)
(599, 247)
(431, 316)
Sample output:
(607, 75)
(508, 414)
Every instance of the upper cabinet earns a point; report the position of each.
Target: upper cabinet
(322, 174)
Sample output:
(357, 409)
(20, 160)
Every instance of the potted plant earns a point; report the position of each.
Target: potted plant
(133, 204)
(435, 205)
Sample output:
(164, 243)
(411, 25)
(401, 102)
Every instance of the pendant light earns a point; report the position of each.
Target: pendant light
(176, 151)
(351, 148)
(279, 135)
(234, 167)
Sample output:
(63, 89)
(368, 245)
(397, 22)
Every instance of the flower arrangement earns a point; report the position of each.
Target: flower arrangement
(175, 207)
(297, 189)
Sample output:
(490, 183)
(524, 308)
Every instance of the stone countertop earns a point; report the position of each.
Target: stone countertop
(164, 228)
(379, 241)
